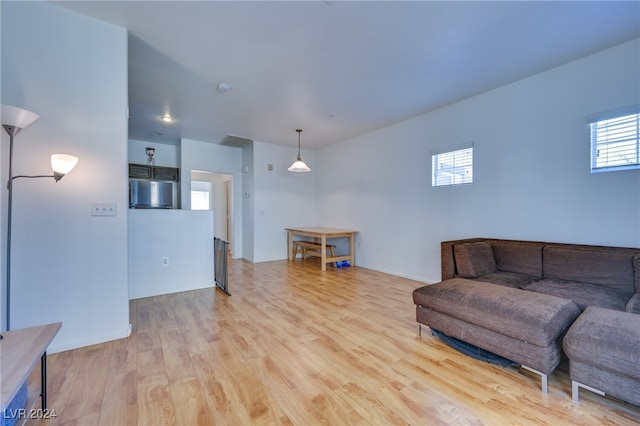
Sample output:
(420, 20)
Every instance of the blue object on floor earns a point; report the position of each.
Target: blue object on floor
(473, 351)
(15, 409)
(342, 263)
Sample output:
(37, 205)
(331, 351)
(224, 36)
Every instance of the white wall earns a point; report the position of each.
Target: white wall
(281, 198)
(531, 171)
(210, 157)
(247, 202)
(183, 237)
(67, 265)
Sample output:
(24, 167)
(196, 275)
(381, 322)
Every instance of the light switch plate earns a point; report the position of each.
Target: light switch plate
(104, 209)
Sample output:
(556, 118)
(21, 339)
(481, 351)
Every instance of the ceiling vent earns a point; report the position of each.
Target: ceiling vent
(236, 141)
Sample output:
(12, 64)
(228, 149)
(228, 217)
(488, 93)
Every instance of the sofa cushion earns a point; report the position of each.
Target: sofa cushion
(532, 317)
(605, 266)
(582, 294)
(507, 279)
(518, 256)
(607, 339)
(474, 259)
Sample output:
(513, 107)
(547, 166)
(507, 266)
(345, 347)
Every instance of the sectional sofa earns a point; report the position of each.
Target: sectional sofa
(519, 299)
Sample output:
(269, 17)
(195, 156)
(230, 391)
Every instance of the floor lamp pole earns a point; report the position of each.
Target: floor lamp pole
(12, 130)
(13, 121)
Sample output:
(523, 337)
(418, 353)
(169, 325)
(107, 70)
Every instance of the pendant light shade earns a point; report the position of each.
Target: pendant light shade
(299, 166)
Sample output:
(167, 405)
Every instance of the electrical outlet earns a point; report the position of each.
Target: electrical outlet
(165, 261)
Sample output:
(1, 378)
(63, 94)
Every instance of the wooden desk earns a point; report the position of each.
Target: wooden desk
(19, 353)
(323, 234)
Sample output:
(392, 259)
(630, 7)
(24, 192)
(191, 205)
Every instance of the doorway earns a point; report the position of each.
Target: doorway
(212, 191)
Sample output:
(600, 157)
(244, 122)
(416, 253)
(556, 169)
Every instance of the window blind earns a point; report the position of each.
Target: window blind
(452, 166)
(615, 140)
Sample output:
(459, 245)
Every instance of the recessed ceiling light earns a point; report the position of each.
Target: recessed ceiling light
(223, 88)
(167, 118)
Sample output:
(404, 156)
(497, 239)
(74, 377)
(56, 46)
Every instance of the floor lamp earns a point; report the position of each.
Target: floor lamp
(15, 120)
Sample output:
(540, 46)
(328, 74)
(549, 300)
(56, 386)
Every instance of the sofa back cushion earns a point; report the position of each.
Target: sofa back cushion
(518, 256)
(474, 259)
(606, 266)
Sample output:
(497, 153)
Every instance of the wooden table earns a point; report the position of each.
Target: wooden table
(20, 351)
(322, 234)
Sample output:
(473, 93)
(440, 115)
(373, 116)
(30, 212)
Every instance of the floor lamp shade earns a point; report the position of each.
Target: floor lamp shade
(61, 164)
(17, 117)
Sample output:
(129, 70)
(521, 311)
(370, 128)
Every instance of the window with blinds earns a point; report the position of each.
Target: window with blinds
(615, 140)
(452, 166)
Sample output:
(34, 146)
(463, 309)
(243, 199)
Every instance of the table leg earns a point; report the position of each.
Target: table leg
(43, 380)
(290, 244)
(323, 253)
(352, 249)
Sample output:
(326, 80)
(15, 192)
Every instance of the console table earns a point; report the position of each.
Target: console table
(20, 351)
(323, 234)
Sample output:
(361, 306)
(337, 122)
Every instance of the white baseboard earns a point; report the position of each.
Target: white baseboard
(88, 342)
(397, 274)
(160, 291)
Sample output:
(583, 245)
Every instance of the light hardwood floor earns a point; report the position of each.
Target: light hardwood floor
(294, 345)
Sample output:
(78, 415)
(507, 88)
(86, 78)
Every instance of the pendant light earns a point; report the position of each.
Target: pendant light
(299, 165)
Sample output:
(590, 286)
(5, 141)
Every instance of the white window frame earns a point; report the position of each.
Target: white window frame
(452, 166)
(615, 140)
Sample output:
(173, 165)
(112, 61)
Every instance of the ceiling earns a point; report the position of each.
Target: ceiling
(336, 69)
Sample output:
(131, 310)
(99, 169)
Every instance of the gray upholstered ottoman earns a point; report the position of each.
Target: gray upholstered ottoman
(603, 347)
(522, 326)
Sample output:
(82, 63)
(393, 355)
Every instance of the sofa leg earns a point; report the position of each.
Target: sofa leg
(419, 330)
(575, 390)
(544, 378)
